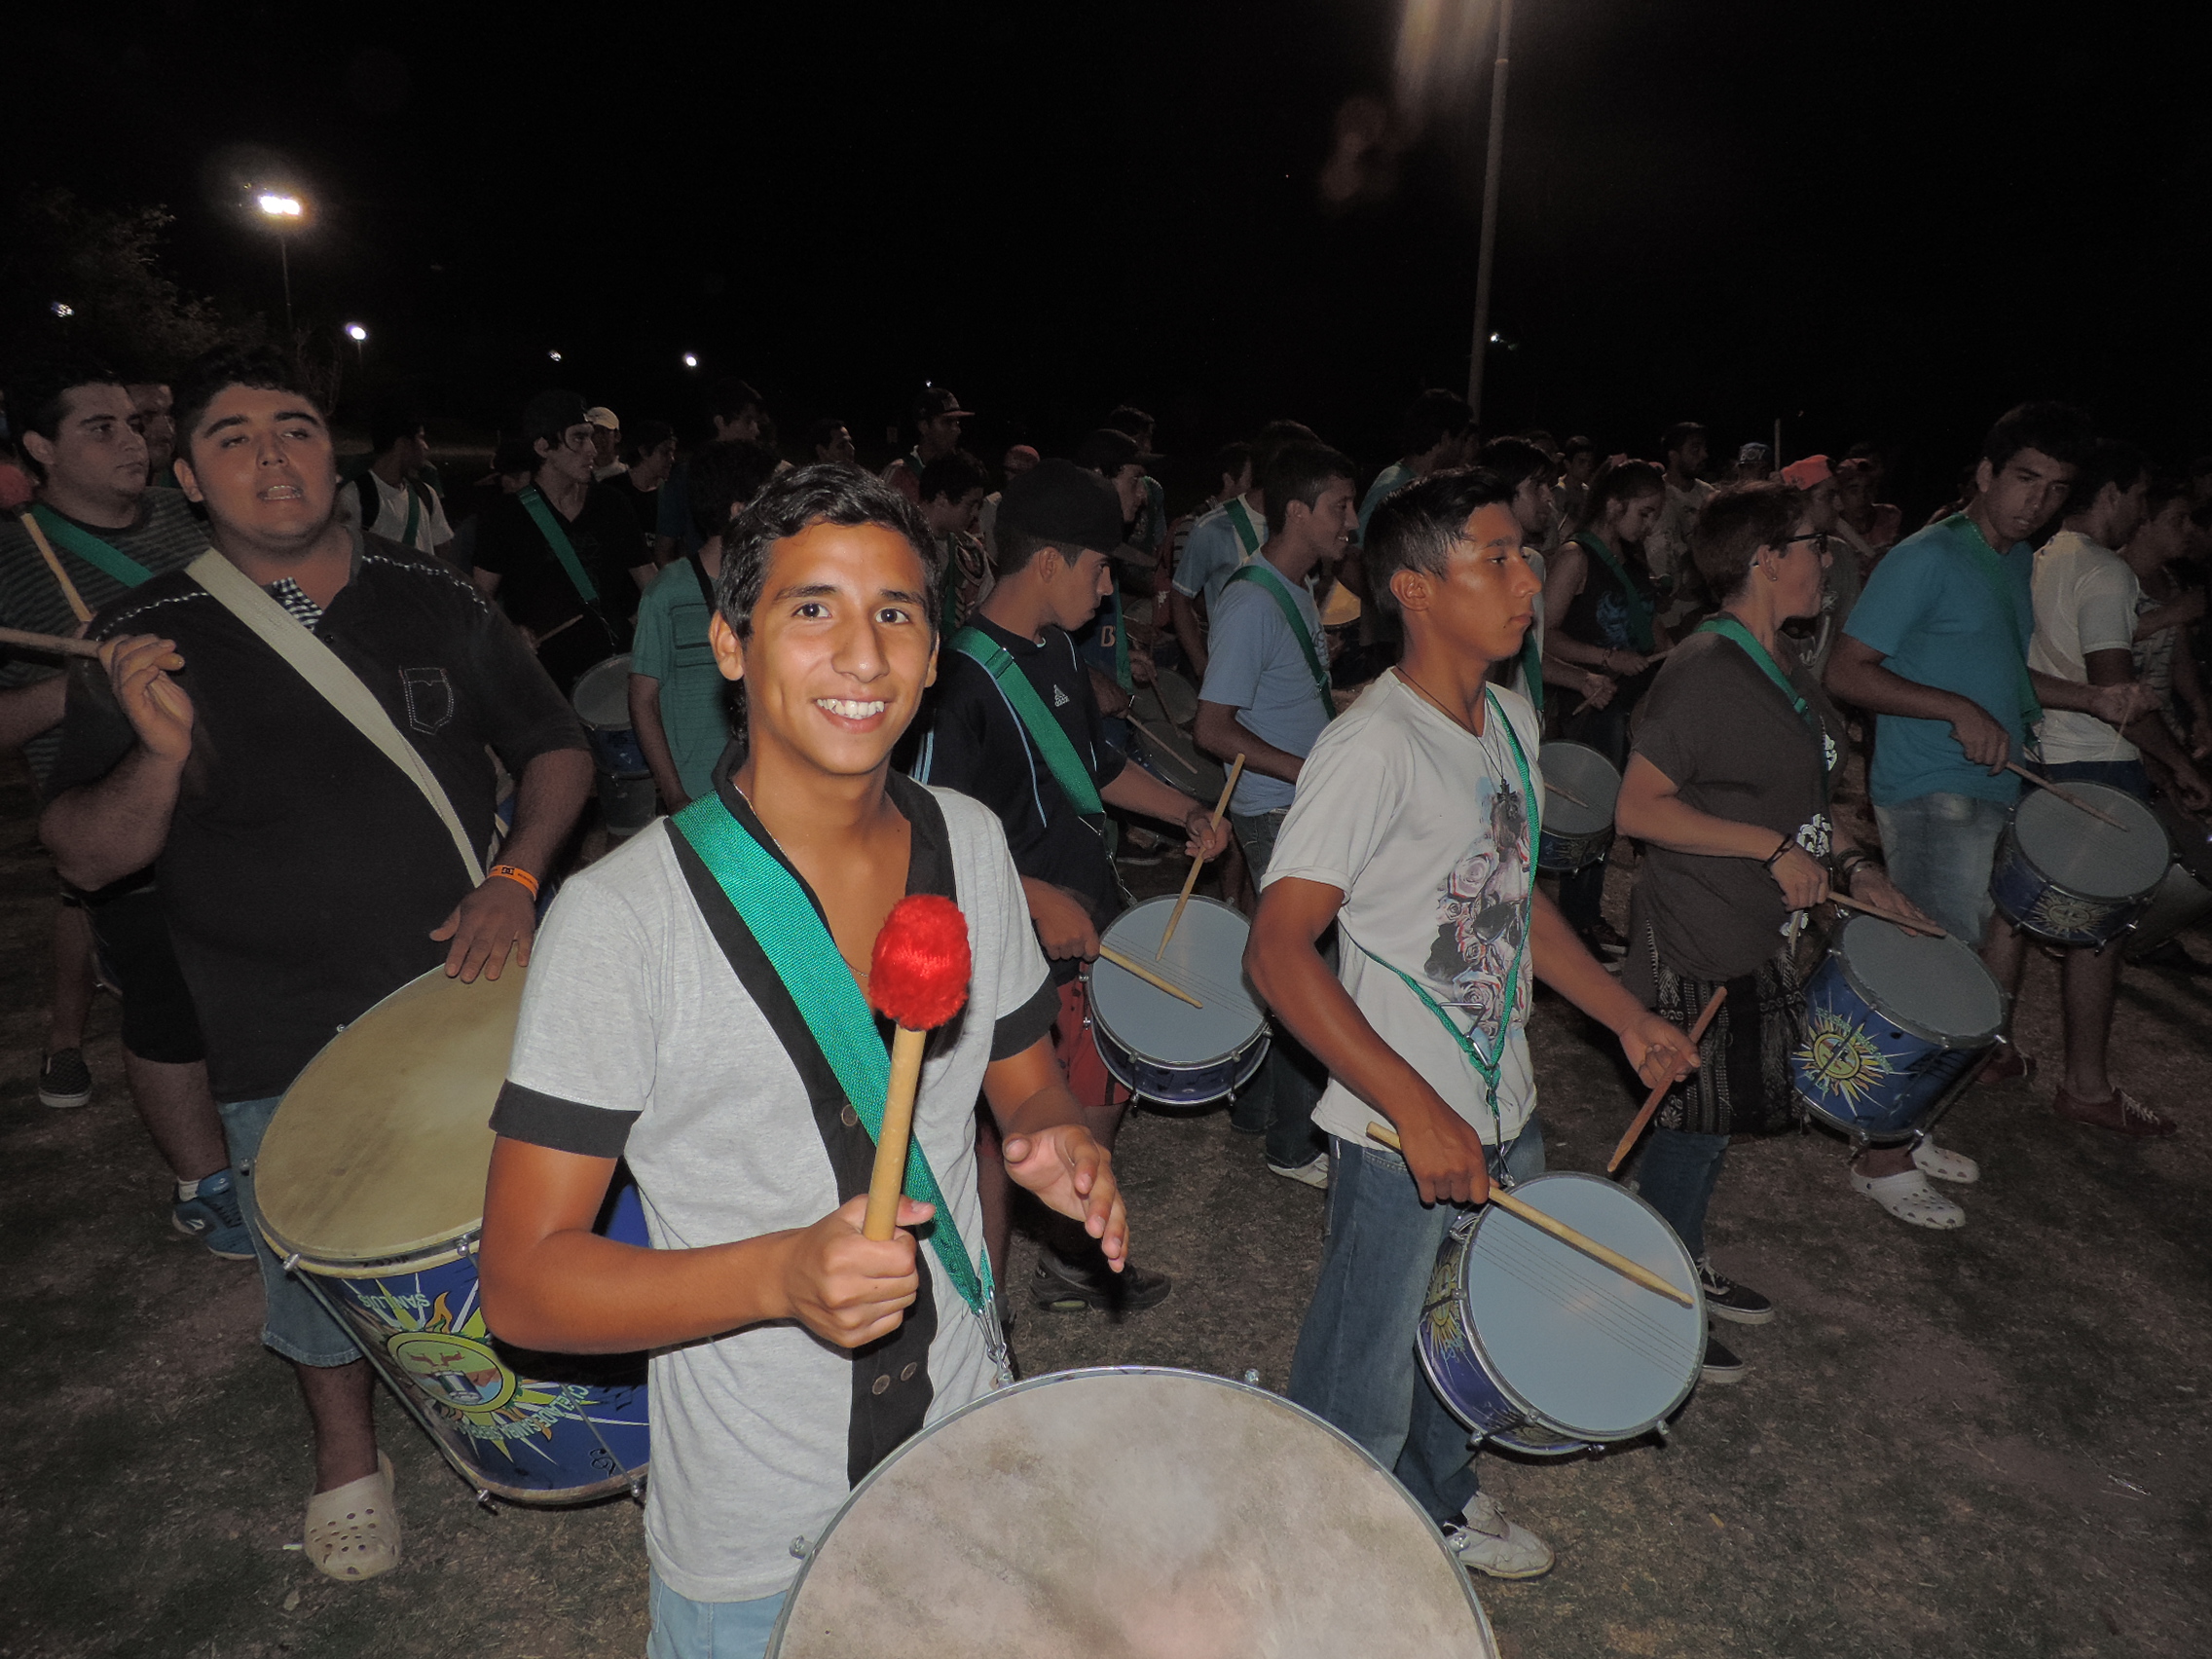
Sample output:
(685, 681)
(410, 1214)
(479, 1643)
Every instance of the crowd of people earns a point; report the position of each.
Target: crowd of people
(952, 677)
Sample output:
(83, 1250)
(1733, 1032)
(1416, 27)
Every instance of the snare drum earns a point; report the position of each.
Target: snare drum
(601, 700)
(370, 1182)
(1147, 1514)
(1893, 1020)
(1576, 835)
(1539, 1347)
(2184, 897)
(2065, 876)
(1162, 1049)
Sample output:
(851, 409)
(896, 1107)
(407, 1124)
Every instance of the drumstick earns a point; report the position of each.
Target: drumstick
(1559, 1230)
(1131, 966)
(918, 975)
(53, 642)
(77, 605)
(1659, 1091)
(1166, 746)
(1192, 880)
(1563, 793)
(2065, 794)
(1896, 916)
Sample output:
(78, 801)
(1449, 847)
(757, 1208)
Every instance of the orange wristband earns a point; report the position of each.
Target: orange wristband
(523, 876)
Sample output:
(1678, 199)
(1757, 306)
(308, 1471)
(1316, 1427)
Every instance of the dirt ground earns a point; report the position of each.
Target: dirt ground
(1986, 1442)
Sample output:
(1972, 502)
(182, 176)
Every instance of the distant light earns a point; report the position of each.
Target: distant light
(280, 206)
(355, 332)
(690, 361)
(1497, 340)
(555, 356)
(60, 308)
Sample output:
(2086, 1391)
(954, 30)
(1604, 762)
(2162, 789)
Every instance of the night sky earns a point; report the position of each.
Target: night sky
(1896, 219)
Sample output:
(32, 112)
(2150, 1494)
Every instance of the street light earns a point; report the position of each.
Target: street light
(359, 336)
(284, 212)
(62, 309)
(1492, 160)
(555, 356)
(691, 359)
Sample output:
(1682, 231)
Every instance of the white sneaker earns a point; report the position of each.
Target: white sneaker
(1314, 1172)
(1490, 1544)
(1945, 1165)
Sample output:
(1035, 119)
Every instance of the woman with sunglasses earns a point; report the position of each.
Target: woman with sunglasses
(1728, 790)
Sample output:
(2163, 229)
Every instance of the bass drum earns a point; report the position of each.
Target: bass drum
(2183, 896)
(1138, 1513)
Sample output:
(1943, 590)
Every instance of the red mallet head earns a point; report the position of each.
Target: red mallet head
(14, 487)
(918, 973)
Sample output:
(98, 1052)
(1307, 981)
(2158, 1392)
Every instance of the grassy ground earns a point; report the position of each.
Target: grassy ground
(1988, 1442)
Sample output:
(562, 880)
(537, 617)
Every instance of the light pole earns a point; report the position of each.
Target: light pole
(284, 211)
(1492, 163)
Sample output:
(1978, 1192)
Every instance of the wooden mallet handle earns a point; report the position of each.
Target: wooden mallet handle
(1190, 880)
(1659, 1091)
(1559, 1230)
(890, 1172)
(53, 642)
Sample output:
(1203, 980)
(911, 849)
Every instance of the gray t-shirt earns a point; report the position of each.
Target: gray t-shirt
(1254, 665)
(637, 1037)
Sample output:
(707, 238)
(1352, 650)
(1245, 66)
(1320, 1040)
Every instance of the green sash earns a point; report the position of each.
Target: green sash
(784, 922)
(1638, 607)
(112, 561)
(1268, 577)
(1060, 759)
(414, 516)
(1991, 570)
(1729, 628)
(1533, 669)
(1240, 521)
(549, 526)
(1488, 1067)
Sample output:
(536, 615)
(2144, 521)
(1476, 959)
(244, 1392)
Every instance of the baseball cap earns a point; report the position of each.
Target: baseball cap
(1060, 501)
(1751, 455)
(1804, 474)
(1026, 454)
(599, 415)
(1108, 451)
(550, 413)
(935, 400)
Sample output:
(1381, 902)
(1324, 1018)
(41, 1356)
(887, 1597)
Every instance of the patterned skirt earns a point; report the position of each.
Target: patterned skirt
(1743, 1086)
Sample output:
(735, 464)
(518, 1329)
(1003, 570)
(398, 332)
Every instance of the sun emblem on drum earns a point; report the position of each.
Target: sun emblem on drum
(2057, 912)
(1840, 1058)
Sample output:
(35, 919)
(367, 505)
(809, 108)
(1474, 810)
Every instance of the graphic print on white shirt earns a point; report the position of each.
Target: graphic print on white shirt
(1482, 913)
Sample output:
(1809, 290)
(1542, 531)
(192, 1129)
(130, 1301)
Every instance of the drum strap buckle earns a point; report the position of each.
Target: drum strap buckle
(994, 1342)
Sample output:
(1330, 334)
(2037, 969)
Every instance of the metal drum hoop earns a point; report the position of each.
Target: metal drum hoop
(1941, 1039)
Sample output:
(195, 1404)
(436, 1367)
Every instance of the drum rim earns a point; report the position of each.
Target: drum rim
(1600, 754)
(419, 1259)
(1239, 1074)
(1478, 1348)
(2118, 900)
(1098, 1014)
(1925, 1034)
(814, 1544)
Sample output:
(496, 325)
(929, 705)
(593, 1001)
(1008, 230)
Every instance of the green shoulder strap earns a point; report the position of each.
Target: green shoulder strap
(549, 526)
(1266, 577)
(1532, 671)
(784, 922)
(1060, 759)
(90, 548)
(1729, 628)
(1638, 607)
(1240, 521)
(1991, 568)
(413, 513)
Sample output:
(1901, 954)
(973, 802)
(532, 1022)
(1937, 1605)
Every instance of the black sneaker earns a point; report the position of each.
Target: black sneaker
(1065, 1289)
(1725, 1299)
(1720, 1363)
(64, 1080)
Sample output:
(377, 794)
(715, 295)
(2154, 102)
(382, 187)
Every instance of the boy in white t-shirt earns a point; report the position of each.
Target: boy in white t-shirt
(668, 1021)
(1412, 833)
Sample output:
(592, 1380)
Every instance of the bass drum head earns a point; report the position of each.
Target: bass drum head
(1138, 1513)
(2084, 856)
(602, 697)
(1588, 1351)
(1934, 988)
(1205, 957)
(1578, 767)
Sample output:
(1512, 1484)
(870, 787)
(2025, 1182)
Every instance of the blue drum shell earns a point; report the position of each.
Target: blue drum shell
(1562, 855)
(2035, 904)
(1178, 1085)
(1455, 1370)
(1858, 1071)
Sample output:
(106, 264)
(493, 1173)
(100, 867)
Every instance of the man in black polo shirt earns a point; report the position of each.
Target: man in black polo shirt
(563, 557)
(304, 875)
(1056, 526)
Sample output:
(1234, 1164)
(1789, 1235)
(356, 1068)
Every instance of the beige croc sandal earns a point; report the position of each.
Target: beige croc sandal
(1945, 1165)
(352, 1531)
(1910, 1199)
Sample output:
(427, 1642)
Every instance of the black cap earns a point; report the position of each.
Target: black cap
(1108, 451)
(1060, 501)
(935, 400)
(550, 413)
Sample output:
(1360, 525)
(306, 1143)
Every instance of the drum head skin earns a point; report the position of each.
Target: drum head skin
(1589, 774)
(1937, 987)
(1131, 1514)
(381, 1145)
(1593, 1354)
(2086, 856)
(1205, 957)
(602, 697)
(1177, 697)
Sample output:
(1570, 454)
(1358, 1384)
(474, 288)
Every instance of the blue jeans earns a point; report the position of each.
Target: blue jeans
(1355, 1366)
(1675, 1176)
(684, 1629)
(295, 1325)
(1279, 1100)
(1941, 849)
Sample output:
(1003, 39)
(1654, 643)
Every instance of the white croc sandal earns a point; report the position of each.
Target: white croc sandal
(352, 1531)
(1910, 1199)
(1944, 1164)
